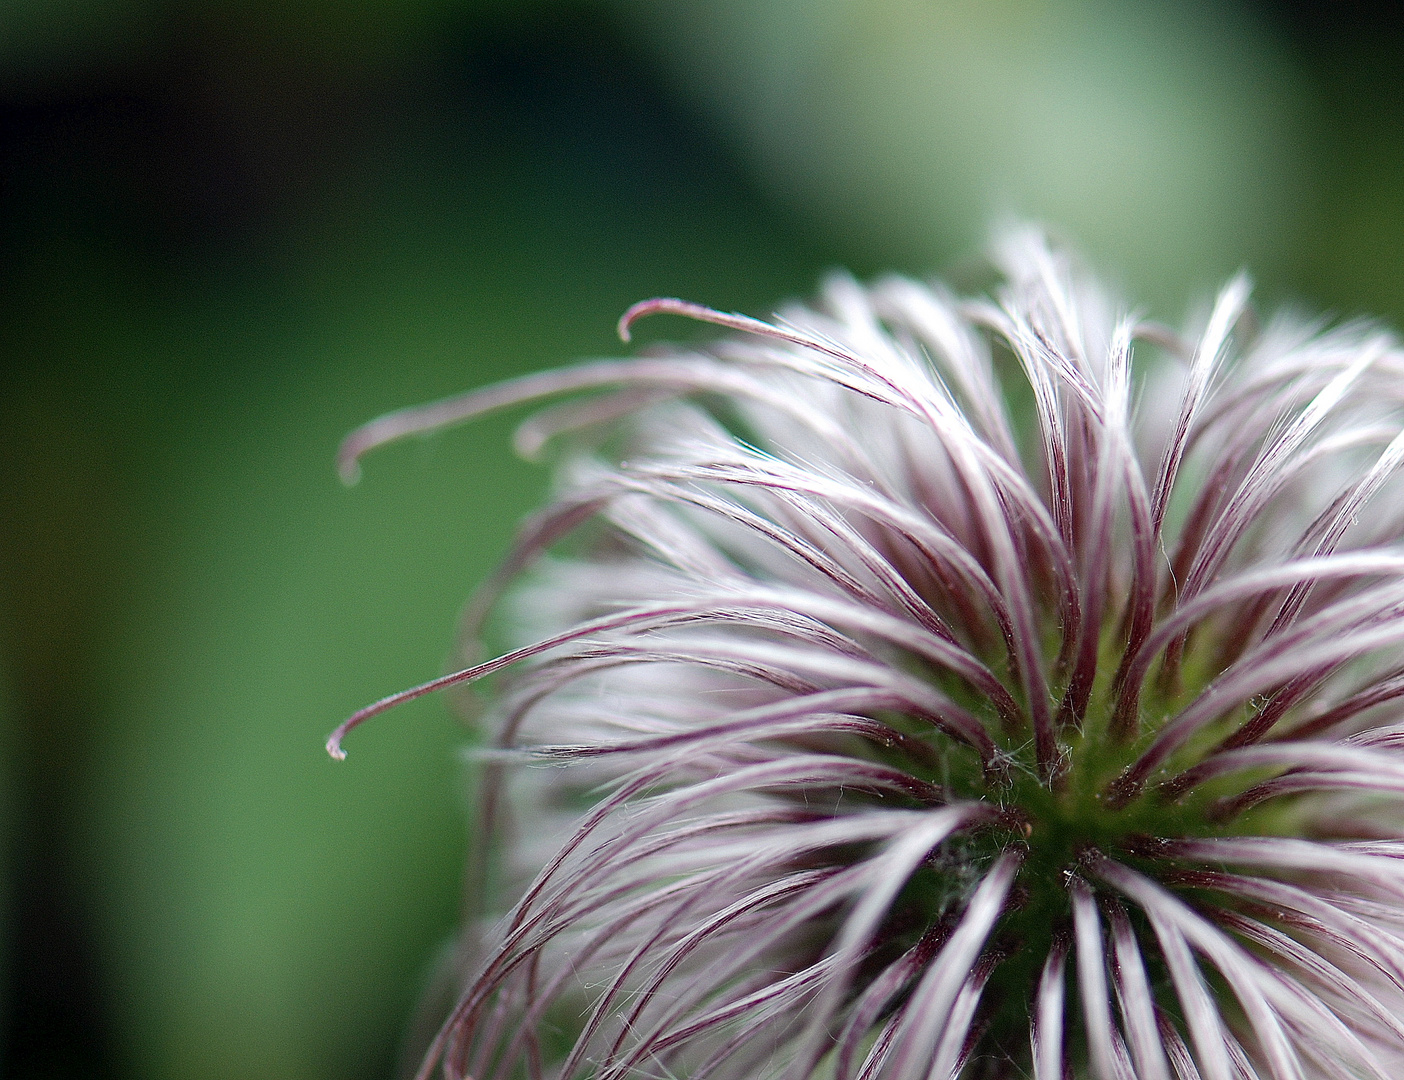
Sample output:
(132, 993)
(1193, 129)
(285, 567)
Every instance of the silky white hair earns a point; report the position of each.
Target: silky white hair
(919, 687)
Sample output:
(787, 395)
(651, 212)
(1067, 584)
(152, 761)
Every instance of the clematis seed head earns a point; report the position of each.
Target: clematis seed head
(925, 687)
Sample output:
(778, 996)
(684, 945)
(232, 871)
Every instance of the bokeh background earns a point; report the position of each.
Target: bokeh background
(230, 230)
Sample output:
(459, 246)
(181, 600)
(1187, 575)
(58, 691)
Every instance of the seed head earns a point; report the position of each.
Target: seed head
(917, 687)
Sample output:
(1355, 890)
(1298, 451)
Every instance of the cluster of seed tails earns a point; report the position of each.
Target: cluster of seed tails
(915, 688)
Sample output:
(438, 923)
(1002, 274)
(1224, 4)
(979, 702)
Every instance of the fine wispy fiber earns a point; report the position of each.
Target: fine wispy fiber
(920, 687)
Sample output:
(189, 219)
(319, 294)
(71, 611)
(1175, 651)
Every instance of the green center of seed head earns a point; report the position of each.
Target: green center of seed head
(1085, 807)
(1087, 803)
(1058, 822)
(1055, 824)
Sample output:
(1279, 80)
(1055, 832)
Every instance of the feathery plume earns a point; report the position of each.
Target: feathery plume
(916, 688)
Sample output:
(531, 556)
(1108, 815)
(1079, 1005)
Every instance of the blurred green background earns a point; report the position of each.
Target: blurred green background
(231, 230)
